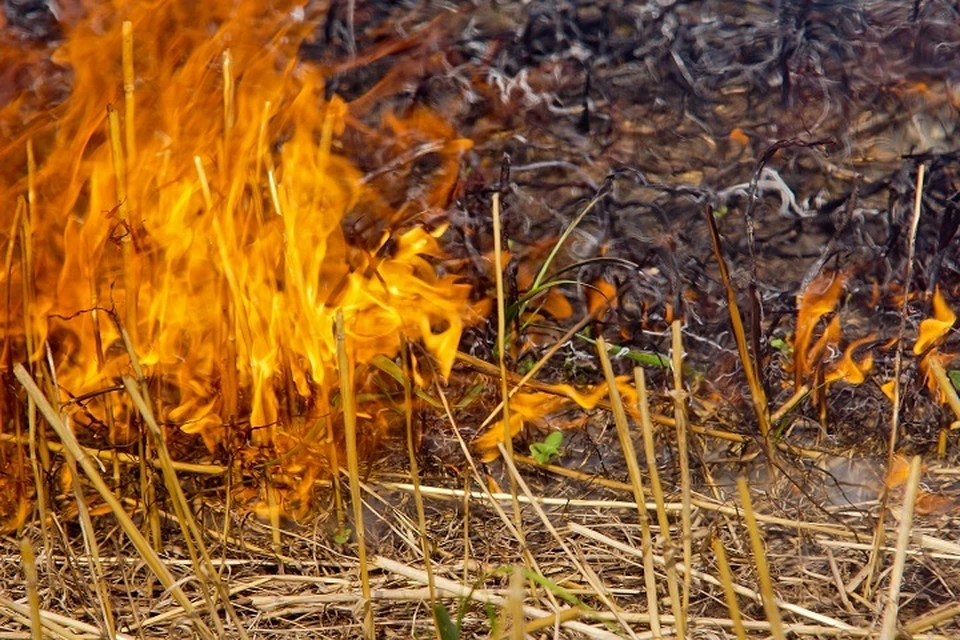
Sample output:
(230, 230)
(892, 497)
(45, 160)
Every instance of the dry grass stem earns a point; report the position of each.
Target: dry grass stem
(502, 350)
(129, 95)
(680, 397)
(425, 541)
(760, 560)
(646, 426)
(878, 533)
(729, 593)
(353, 471)
(455, 589)
(709, 579)
(888, 628)
(757, 394)
(636, 481)
(143, 547)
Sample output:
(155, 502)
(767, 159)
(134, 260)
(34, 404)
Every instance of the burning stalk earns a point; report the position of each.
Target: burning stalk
(209, 213)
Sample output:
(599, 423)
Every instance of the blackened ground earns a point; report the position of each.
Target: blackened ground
(667, 108)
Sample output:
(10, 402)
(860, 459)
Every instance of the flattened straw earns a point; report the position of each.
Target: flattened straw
(760, 559)
(458, 590)
(680, 417)
(819, 618)
(50, 622)
(838, 581)
(353, 470)
(486, 493)
(125, 458)
(129, 86)
(646, 425)
(150, 557)
(888, 628)
(930, 619)
(636, 481)
(726, 579)
(590, 576)
(33, 596)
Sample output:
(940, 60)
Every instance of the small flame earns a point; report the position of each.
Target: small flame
(533, 407)
(817, 300)
(933, 330)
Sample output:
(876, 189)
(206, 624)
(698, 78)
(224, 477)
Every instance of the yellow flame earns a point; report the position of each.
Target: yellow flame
(818, 299)
(228, 258)
(531, 407)
(934, 329)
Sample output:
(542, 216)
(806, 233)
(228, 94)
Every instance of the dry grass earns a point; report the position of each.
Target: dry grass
(595, 560)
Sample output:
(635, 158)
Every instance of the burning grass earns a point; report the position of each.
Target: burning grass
(244, 243)
(199, 206)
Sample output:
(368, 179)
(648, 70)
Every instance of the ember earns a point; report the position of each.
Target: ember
(192, 192)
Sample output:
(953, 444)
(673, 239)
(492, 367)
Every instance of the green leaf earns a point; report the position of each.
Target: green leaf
(554, 440)
(342, 536)
(954, 375)
(448, 630)
(524, 366)
(643, 358)
(545, 452)
(782, 346)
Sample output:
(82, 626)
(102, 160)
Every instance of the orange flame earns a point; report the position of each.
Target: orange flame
(534, 406)
(212, 220)
(817, 300)
(933, 330)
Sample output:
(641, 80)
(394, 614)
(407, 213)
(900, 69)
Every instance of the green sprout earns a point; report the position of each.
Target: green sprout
(545, 452)
(954, 375)
(782, 346)
(342, 535)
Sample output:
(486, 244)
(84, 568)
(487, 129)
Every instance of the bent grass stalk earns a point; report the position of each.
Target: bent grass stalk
(636, 481)
(760, 558)
(415, 481)
(680, 396)
(757, 394)
(150, 557)
(669, 552)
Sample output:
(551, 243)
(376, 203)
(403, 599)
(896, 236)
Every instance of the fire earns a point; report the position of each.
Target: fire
(196, 190)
